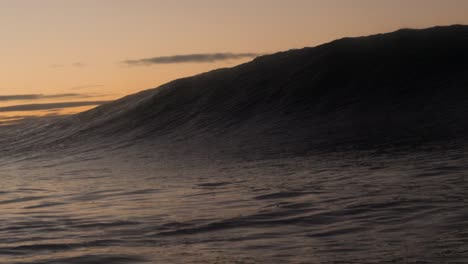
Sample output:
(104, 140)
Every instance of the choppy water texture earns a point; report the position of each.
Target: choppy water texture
(330, 208)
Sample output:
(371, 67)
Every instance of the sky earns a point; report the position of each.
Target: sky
(65, 56)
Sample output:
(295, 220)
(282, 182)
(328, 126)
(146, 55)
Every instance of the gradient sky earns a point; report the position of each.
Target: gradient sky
(94, 50)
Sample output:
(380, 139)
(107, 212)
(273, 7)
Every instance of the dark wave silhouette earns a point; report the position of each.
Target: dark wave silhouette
(409, 86)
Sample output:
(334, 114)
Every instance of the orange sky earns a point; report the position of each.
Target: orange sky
(77, 46)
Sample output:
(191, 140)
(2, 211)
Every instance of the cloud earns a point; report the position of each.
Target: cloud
(78, 64)
(49, 106)
(75, 64)
(57, 66)
(21, 97)
(86, 86)
(193, 58)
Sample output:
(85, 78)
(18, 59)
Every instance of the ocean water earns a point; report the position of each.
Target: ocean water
(255, 163)
(341, 207)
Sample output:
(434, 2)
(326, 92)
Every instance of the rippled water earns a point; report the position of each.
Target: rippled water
(334, 208)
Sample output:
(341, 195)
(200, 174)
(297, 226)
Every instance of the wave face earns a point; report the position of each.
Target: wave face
(405, 86)
(349, 152)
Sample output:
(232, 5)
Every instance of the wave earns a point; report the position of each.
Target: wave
(404, 87)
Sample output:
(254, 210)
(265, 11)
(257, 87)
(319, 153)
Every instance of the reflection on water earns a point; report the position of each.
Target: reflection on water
(331, 209)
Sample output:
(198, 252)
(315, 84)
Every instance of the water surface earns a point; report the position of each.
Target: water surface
(334, 208)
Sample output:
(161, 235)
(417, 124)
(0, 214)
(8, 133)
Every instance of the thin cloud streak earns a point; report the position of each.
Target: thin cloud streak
(86, 86)
(22, 97)
(79, 65)
(75, 65)
(50, 106)
(190, 58)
